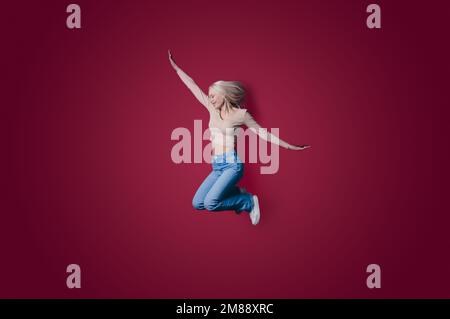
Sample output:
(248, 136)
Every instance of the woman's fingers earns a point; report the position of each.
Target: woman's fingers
(171, 59)
(172, 62)
(301, 147)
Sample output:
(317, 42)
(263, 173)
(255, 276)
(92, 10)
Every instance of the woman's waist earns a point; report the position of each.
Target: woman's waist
(228, 155)
(220, 149)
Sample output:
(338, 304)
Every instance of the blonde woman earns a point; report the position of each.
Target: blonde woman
(219, 191)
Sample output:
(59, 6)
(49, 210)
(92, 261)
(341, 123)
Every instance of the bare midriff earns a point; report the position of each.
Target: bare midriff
(220, 149)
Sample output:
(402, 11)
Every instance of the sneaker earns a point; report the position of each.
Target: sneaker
(255, 214)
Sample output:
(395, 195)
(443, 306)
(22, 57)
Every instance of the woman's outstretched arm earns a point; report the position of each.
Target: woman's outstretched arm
(192, 86)
(250, 122)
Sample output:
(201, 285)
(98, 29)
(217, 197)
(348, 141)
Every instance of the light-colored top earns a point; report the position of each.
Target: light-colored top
(223, 131)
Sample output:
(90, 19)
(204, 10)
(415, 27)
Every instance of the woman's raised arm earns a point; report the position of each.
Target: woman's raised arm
(190, 83)
(250, 122)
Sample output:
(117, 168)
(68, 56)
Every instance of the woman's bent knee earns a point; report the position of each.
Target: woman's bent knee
(197, 204)
(211, 204)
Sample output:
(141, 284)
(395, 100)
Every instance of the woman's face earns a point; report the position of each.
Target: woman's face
(215, 98)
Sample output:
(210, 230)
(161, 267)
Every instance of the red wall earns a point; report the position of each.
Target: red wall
(89, 179)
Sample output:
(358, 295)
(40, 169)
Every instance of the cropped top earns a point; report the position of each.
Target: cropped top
(223, 131)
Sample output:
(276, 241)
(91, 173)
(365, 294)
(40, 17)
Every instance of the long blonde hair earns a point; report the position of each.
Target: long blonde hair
(233, 93)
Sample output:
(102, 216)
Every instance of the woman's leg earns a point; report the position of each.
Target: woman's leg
(202, 191)
(223, 193)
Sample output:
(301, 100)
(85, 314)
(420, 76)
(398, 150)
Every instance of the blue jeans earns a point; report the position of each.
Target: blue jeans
(219, 191)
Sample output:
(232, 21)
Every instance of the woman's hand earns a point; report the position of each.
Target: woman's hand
(298, 147)
(172, 62)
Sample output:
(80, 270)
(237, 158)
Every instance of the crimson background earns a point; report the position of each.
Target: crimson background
(89, 179)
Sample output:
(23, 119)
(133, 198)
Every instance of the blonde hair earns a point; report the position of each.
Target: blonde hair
(232, 91)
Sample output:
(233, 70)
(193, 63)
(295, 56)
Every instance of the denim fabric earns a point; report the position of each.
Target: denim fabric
(219, 191)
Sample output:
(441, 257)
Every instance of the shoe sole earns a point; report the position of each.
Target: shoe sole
(258, 215)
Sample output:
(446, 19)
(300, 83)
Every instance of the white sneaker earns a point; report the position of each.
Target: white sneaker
(255, 214)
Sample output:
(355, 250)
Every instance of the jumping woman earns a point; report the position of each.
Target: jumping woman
(219, 191)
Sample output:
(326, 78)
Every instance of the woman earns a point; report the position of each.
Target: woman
(219, 192)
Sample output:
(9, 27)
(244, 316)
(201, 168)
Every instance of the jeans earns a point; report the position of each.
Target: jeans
(219, 191)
